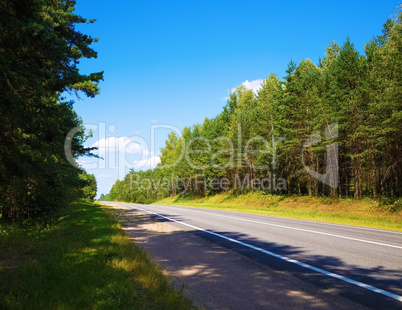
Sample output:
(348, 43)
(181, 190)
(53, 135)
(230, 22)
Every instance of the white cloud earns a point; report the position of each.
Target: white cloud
(254, 85)
(120, 144)
(148, 163)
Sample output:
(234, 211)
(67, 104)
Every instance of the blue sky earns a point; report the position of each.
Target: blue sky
(173, 62)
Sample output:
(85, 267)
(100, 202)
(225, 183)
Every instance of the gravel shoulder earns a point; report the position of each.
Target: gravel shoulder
(215, 277)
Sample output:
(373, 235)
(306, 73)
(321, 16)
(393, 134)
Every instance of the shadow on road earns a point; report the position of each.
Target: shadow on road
(225, 275)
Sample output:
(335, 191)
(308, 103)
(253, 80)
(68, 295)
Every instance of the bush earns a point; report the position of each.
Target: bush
(390, 204)
(141, 199)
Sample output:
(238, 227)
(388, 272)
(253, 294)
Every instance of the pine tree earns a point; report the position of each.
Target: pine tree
(39, 54)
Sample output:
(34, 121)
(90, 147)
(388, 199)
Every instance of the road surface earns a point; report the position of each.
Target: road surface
(360, 265)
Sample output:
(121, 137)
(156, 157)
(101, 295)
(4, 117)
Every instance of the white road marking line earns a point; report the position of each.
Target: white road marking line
(307, 230)
(319, 270)
(285, 218)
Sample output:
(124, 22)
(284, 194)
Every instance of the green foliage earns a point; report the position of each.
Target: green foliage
(89, 186)
(390, 204)
(361, 93)
(39, 53)
(104, 197)
(83, 261)
(140, 187)
(140, 199)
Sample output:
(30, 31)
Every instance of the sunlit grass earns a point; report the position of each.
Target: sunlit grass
(342, 211)
(83, 261)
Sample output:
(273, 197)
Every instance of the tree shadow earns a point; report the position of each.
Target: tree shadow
(246, 278)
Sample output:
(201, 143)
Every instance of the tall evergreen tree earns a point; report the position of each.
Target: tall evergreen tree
(39, 54)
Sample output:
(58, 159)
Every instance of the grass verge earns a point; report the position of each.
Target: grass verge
(363, 212)
(82, 261)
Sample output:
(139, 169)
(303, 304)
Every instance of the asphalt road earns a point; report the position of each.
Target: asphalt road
(363, 264)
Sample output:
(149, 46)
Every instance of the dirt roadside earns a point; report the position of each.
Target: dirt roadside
(218, 278)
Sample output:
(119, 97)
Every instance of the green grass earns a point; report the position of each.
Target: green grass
(82, 261)
(363, 212)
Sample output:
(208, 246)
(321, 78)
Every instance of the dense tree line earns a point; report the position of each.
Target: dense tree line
(39, 53)
(330, 129)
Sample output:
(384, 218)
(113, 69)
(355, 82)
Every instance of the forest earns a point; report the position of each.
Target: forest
(40, 50)
(331, 129)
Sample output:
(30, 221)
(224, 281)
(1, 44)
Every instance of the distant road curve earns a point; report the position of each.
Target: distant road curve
(364, 263)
